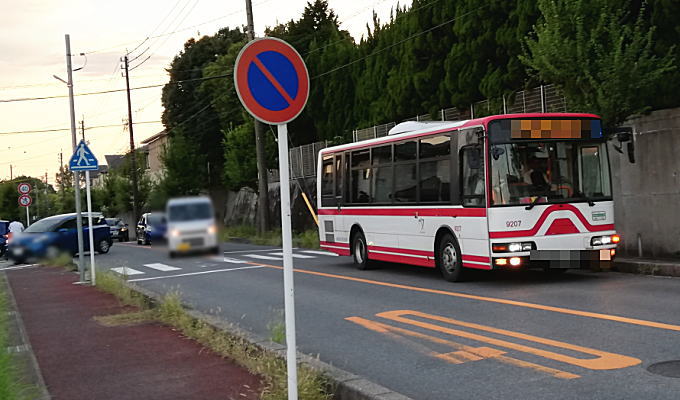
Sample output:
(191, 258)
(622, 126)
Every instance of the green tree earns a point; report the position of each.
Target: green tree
(604, 64)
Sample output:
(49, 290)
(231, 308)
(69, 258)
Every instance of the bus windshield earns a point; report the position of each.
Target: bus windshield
(549, 172)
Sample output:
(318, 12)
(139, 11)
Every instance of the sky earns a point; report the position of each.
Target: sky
(33, 50)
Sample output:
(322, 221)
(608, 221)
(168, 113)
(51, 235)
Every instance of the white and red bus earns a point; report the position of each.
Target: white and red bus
(505, 191)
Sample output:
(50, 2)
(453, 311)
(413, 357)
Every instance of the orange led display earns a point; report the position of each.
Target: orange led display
(549, 128)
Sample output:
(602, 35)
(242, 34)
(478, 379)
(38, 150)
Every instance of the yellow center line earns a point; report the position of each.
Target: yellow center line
(607, 317)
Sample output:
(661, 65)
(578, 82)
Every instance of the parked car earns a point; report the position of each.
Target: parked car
(119, 230)
(4, 230)
(57, 234)
(191, 225)
(151, 228)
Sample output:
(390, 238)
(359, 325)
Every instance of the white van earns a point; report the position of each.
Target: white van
(191, 225)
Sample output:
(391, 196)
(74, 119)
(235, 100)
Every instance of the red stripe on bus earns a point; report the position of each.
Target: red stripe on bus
(340, 252)
(402, 251)
(401, 259)
(476, 266)
(476, 258)
(409, 212)
(345, 245)
(544, 216)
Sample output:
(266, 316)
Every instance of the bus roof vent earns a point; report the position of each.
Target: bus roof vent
(410, 126)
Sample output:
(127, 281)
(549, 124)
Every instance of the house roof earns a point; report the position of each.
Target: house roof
(155, 137)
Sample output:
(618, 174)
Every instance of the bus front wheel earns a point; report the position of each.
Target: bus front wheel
(449, 259)
(360, 251)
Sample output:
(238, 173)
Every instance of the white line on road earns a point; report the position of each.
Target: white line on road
(162, 267)
(255, 251)
(127, 271)
(321, 253)
(195, 273)
(294, 255)
(231, 260)
(259, 257)
(19, 267)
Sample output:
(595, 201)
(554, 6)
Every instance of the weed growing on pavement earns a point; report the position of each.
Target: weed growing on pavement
(11, 384)
(63, 260)
(277, 328)
(307, 239)
(311, 384)
(110, 283)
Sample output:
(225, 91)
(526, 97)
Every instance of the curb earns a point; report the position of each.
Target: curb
(38, 380)
(647, 267)
(344, 385)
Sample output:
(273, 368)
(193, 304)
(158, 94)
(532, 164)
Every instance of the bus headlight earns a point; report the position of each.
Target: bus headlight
(605, 240)
(512, 247)
(212, 229)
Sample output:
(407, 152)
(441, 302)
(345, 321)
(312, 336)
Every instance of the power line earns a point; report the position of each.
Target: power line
(113, 90)
(69, 129)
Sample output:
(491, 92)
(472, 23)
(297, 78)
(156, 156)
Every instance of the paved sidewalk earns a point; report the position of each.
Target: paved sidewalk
(647, 266)
(81, 359)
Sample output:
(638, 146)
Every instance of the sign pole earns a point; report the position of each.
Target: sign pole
(89, 224)
(28, 217)
(288, 285)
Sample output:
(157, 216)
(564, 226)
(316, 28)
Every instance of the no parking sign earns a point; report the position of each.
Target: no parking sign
(271, 80)
(272, 83)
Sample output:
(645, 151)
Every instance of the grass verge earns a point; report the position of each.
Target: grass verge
(12, 386)
(311, 384)
(308, 239)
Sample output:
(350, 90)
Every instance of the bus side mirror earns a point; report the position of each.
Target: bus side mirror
(625, 135)
(631, 152)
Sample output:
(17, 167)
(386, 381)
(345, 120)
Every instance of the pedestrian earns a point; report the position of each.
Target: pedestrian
(16, 227)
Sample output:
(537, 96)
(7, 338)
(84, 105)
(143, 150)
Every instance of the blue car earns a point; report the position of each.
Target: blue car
(4, 230)
(151, 228)
(57, 234)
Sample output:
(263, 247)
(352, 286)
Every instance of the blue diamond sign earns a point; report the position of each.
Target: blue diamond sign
(83, 159)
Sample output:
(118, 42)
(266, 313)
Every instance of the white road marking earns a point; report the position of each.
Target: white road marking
(195, 273)
(255, 251)
(259, 257)
(162, 267)
(319, 252)
(232, 260)
(127, 271)
(19, 267)
(294, 255)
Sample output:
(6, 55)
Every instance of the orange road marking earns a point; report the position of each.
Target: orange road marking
(464, 353)
(603, 361)
(607, 317)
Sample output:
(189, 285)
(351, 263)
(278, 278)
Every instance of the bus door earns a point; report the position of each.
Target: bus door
(472, 230)
(331, 225)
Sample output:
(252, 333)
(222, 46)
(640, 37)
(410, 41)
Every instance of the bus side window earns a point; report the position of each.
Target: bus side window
(472, 176)
(327, 183)
(338, 179)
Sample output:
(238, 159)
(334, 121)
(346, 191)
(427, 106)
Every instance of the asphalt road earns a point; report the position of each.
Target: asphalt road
(522, 335)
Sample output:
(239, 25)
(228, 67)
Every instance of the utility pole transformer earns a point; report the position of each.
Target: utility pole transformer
(133, 156)
(262, 186)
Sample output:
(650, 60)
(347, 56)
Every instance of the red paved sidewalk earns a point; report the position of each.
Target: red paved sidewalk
(81, 359)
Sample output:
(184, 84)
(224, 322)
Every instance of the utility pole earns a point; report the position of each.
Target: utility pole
(76, 174)
(11, 173)
(262, 186)
(133, 156)
(82, 128)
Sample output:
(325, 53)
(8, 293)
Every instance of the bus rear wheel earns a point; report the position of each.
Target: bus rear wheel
(360, 251)
(449, 259)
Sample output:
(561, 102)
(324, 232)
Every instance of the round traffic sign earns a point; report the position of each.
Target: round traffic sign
(24, 188)
(271, 80)
(25, 200)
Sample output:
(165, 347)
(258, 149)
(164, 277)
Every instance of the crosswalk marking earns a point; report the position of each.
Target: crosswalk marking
(319, 252)
(162, 267)
(294, 255)
(232, 260)
(263, 257)
(127, 271)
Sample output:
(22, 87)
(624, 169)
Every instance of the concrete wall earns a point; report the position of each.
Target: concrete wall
(647, 193)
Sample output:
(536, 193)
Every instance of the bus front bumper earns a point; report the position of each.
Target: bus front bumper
(557, 259)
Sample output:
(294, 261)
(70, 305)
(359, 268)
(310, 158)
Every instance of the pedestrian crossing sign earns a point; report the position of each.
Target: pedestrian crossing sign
(83, 159)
